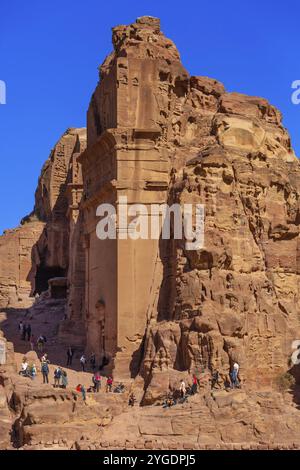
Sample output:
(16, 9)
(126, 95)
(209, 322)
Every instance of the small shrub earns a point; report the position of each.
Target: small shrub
(285, 382)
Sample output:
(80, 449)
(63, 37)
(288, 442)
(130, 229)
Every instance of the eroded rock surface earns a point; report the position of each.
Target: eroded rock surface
(16, 263)
(53, 199)
(163, 312)
(237, 298)
(39, 248)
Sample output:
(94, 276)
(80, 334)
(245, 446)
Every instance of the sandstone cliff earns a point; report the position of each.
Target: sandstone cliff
(15, 264)
(155, 134)
(52, 200)
(237, 299)
(39, 248)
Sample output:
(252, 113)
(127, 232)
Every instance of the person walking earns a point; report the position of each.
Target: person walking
(97, 382)
(234, 375)
(69, 356)
(236, 367)
(64, 379)
(32, 342)
(104, 361)
(83, 393)
(24, 331)
(214, 379)
(182, 389)
(45, 358)
(24, 367)
(93, 361)
(109, 384)
(28, 332)
(21, 328)
(40, 343)
(45, 372)
(194, 385)
(57, 377)
(83, 362)
(33, 371)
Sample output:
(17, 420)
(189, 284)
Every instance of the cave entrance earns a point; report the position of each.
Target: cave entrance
(43, 274)
(58, 287)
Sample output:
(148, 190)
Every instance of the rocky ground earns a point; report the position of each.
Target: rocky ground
(37, 416)
(45, 319)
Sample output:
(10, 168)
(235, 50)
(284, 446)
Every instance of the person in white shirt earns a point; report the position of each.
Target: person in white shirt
(45, 358)
(182, 389)
(83, 362)
(234, 375)
(24, 367)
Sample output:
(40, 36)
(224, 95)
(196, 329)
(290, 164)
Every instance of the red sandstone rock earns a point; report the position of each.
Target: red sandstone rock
(163, 312)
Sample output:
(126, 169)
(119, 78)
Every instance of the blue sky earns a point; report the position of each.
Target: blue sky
(50, 51)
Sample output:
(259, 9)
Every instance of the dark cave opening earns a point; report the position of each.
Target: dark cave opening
(43, 274)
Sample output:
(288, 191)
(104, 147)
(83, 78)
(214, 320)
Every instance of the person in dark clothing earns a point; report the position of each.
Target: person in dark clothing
(64, 379)
(225, 379)
(28, 332)
(57, 377)
(32, 342)
(93, 361)
(214, 378)
(69, 356)
(104, 362)
(21, 328)
(24, 332)
(97, 382)
(45, 372)
(41, 343)
(83, 393)
(109, 384)
(131, 400)
(194, 385)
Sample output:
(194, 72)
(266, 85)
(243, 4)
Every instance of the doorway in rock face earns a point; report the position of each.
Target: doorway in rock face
(43, 274)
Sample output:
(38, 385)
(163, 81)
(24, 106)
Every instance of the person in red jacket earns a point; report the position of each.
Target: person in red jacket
(194, 385)
(109, 383)
(97, 381)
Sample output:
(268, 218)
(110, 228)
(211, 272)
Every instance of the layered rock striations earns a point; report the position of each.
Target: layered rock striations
(157, 135)
(53, 197)
(15, 264)
(162, 312)
(237, 298)
(127, 156)
(39, 248)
